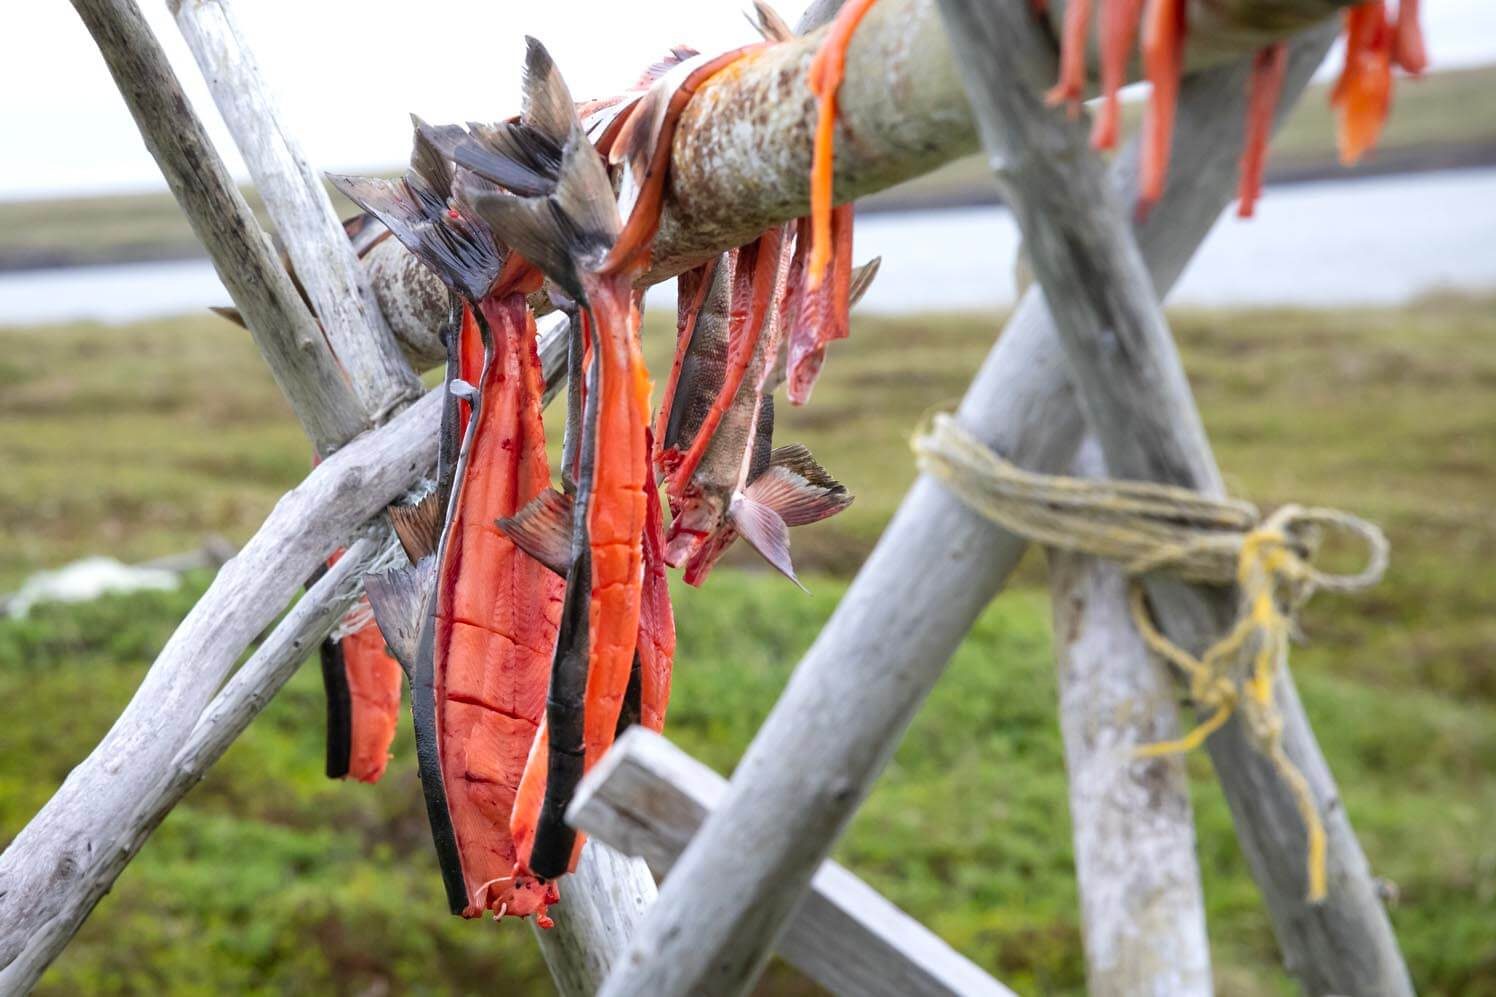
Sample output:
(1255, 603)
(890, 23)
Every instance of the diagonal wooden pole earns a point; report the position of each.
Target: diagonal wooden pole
(297, 203)
(230, 712)
(285, 332)
(933, 571)
(1138, 402)
(62, 853)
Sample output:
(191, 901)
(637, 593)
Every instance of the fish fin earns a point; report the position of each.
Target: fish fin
(677, 55)
(418, 526)
(797, 488)
(427, 160)
(767, 22)
(461, 252)
(401, 600)
(862, 279)
(574, 225)
(542, 529)
(518, 158)
(231, 313)
(765, 532)
(546, 102)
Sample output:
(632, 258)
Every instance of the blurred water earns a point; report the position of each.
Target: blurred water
(1372, 242)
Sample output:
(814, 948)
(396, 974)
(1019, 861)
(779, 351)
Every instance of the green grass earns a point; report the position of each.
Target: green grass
(136, 440)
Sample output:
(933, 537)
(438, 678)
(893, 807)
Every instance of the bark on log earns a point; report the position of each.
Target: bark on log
(647, 797)
(1142, 914)
(413, 302)
(901, 112)
(716, 922)
(1138, 402)
(283, 329)
(741, 157)
(301, 210)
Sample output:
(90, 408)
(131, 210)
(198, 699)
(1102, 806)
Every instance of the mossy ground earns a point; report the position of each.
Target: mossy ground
(136, 441)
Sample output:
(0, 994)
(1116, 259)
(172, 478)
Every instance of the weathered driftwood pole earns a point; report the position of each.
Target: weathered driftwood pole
(1142, 913)
(301, 210)
(1125, 365)
(902, 112)
(285, 332)
(232, 709)
(602, 903)
(888, 641)
(60, 855)
(647, 797)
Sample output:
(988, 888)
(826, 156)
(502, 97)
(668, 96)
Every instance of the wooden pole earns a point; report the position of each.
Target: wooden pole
(1142, 914)
(601, 905)
(741, 158)
(275, 661)
(301, 210)
(901, 112)
(647, 797)
(1138, 402)
(62, 857)
(853, 694)
(283, 329)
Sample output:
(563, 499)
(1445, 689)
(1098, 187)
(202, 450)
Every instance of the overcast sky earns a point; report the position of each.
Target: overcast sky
(348, 72)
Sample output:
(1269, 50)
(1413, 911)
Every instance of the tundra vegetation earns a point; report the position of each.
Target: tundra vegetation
(139, 440)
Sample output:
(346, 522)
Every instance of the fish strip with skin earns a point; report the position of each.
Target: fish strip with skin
(1268, 69)
(642, 148)
(571, 232)
(1361, 97)
(737, 489)
(481, 667)
(1363, 94)
(755, 280)
(362, 683)
(827, 67)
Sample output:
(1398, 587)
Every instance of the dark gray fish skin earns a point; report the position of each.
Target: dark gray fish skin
(339, 709)
(703, 507)
(401, 600)
(550, 855)
(705, 366)
(543, 529)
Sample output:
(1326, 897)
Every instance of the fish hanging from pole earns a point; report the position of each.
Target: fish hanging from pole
(1362, 96)
(486, 633)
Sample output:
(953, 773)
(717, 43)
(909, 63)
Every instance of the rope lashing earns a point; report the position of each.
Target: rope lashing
(1148, 527)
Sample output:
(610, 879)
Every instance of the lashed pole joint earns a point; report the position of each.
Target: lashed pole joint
(1138, 402)
(1142, 912)
(886, 644)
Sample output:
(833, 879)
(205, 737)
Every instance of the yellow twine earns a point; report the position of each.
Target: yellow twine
(1150, 527)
